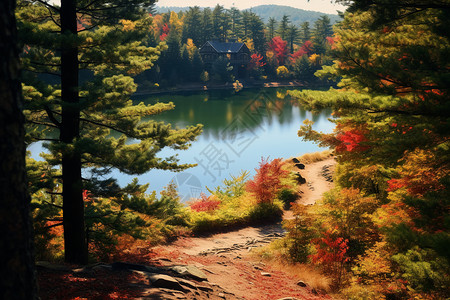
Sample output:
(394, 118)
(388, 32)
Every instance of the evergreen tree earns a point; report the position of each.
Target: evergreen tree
(18, 277)
(236, 22)
(256, 29)
(246, 19)
(197, 66)
(191, 25)
(207, 26)
(292, 37)
(186, 65)
(322, 30)
(284, 27)
(392, 138)
(77, 118)
(218, 22)
(272, 28)
(305, 32)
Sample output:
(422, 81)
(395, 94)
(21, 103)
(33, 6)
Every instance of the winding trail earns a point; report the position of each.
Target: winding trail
(226, 259)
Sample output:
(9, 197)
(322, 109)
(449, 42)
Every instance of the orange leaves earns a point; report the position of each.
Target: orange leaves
(255, 62)
(421, 173)
(205, 203)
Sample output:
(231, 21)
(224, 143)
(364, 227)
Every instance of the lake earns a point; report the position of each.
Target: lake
(239, 129)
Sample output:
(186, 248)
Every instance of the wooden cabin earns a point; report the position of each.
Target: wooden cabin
(237, 53)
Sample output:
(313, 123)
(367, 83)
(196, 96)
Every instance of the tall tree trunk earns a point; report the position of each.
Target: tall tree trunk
(16, 241)
(75, 244)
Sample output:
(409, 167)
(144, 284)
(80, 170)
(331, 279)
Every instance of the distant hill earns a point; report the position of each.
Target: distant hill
(296, 15)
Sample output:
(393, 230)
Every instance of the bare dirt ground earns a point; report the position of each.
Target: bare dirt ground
(226, 257)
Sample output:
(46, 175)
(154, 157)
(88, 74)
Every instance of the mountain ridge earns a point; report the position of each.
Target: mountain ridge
(296, 15)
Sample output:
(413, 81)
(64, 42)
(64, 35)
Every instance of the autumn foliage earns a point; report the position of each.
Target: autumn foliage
(279, 47)
(205, 203)
(268, 180)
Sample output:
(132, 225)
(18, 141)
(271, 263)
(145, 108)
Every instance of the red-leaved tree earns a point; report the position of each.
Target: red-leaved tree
(268, 180)
(279, 47)
(305, 49)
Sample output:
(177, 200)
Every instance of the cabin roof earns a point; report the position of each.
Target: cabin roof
(222, 47)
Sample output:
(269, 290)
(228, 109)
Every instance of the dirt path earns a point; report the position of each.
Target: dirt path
(318, 180)
(226, 259)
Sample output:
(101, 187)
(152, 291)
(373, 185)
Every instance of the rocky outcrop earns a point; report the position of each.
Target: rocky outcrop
(159, 282)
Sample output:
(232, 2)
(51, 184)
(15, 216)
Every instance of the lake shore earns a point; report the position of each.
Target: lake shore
(247, 84)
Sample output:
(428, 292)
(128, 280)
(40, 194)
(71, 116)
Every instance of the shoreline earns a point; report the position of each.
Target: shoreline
(195, 87)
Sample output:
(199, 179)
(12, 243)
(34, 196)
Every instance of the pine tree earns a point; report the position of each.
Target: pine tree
(392, 133)
(305, 33)
(79, 118)
(284, 27)
(191, 28)
(207, 26)
(292, 37)
(16, 241)
(272, 28)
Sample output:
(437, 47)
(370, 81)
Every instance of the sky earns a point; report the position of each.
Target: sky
(324, 6)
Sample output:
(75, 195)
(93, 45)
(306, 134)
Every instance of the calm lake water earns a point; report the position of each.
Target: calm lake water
(239, 129)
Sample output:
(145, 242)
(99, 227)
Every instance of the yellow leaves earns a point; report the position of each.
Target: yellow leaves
(128, 25)
(282, 72)
(250, 44)
(315, 59)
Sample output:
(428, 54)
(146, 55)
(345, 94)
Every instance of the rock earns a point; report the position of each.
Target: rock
(299, 178)
(295, 160)
(205, 288)
(221, 295)
(118, 266)
(301, 283)
(188, 283)
(45, 265)
(288, 298)
(190, 271)
(266, 274)
(165, 281)
(300, 166)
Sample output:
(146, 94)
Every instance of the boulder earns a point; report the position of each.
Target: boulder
(164, 281)
(295, 160)
(189, 271)
(300, 166)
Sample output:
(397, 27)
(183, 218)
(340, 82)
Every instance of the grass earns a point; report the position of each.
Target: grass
(274, 254)
(314, 157)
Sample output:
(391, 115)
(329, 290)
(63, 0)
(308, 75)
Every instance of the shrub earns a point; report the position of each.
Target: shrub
(205, 203)
(267, 182)
(266, 212)
(287, 196)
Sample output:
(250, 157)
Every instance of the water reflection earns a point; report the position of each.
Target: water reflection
(239, 129)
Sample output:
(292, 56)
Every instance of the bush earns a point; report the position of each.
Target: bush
(268, 180)
(266, 212)
(205, 203)
(287, 196)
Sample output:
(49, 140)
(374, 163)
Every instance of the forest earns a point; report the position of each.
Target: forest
(381, 231)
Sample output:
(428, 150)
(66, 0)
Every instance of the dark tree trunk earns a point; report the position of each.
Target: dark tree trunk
(75, 244)
(17, 275)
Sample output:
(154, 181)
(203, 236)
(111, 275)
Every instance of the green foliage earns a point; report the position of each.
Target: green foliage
(287, 196)
(266, 212)
(222, 70)
(90, 123)
(391, 142)
(300, 234)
